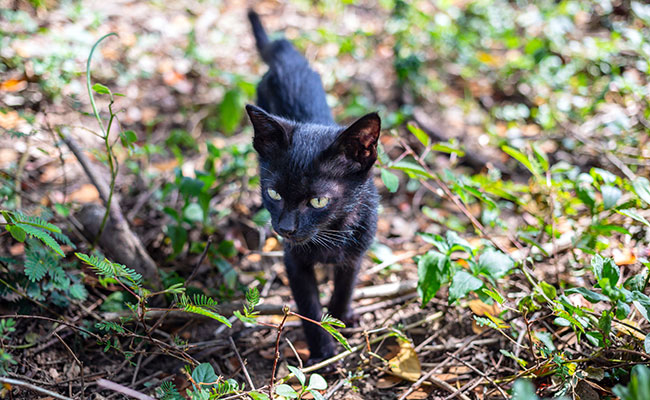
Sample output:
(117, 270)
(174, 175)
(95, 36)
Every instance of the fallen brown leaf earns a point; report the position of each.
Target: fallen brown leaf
(87, 193)
(13, 85)
(406, 363)
(624, 257)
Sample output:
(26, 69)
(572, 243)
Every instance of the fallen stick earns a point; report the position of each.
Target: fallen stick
(116, 387)
(16, 382)
(117, 239)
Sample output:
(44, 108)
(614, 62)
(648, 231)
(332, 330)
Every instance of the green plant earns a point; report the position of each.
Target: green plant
(316, 383)
(639, 386)
(7, 326)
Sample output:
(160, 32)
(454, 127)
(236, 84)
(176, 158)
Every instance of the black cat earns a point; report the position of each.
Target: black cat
(316, 182)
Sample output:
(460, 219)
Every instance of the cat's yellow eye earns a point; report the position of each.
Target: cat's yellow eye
(273, 194)
(319, 202)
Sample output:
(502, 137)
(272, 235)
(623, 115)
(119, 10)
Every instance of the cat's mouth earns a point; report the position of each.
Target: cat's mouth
(296, 240)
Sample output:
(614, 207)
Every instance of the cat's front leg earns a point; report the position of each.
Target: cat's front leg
(345, 278)
(300, 270)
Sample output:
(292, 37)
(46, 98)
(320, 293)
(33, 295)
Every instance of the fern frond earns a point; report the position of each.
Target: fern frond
(35, 266)
(42, 236)
(168, 391)
(202, 300)
(109, 326)
(328, 319)
(18, 217)
(252, 297)
(111, 269)
(63, 238)
(202, 305)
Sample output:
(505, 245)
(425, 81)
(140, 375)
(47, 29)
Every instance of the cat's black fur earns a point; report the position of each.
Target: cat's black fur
(304, 154)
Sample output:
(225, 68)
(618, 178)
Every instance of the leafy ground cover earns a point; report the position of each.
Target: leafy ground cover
(511, 254)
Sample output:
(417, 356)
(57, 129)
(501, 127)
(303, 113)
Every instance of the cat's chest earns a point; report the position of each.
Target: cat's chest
(325, 255)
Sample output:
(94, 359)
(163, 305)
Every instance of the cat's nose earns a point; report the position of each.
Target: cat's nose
(286, 232)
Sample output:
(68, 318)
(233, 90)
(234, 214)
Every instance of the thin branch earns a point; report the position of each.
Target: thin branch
(277, 349)
(35, 388)
(79, 363)
(241, 362)
(116, 387)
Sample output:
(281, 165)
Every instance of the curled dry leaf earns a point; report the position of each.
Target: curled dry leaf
(481, 309)
(10, 120)
(13, 85)
(624, 257)
(387, 382)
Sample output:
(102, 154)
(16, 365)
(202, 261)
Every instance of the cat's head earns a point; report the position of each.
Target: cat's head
(313, 177)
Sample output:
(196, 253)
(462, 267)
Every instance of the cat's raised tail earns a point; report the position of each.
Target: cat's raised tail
(261, 38)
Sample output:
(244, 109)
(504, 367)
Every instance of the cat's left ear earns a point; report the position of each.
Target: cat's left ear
(271, 133)
(359, 141)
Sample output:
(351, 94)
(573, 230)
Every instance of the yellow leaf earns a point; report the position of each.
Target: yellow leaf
(406, 363)
(13, 85)
(624, 257)
(480, 308)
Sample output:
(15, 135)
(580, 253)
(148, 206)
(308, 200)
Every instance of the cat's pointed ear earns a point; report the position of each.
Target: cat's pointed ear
(358, 142)
(271, 134)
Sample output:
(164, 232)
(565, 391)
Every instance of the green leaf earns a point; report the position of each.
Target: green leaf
(463, 283)
(495, 264)
(412, 170)
(605, 268)
(286, 391)
(17, 232)
(391, 181)
(589, 295)
(337, 335)
(432, 271)
(258, 396)
(639, 386)
(317, 382)
(204, 373)
(231, 110)
(549, 290)
(262, 217)
(523, 389)
(101, 89)
(611, 195)
(78, 291)
(419, 134)
(634, 215)
(546, 338)
(447, 148)
(37, 222)
(227, 248)
(646, 343)
(642, 188)
(206, 311)
(496, 296)
(317, 395)
(329, 320)
(522, 158)
(35, 266)
(542, 158)
(298, 374)
(42, 236)
(193, 213)
(128, 138)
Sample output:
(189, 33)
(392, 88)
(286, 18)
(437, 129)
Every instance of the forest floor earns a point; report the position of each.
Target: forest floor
(186, 69)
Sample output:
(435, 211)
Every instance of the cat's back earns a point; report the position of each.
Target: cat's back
(290, 88)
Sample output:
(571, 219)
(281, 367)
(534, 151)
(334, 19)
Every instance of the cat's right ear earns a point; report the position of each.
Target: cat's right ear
(271, 135)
